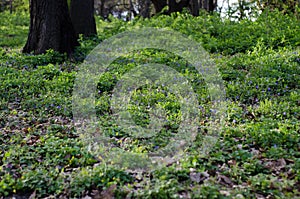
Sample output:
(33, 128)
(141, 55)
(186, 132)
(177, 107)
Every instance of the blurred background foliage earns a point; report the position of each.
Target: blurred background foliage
(129, 9)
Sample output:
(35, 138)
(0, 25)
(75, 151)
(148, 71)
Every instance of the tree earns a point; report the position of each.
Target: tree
(82, 16)
(159, 5)
(50, 27)
(178, 6)
(175, 6)
(13, 5)
(144, 7)
(208, 5)
(285, 6)
(194, 6)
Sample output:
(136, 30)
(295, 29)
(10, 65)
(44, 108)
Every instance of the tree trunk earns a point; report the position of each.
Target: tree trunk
(82, 16)
(177, 7)
(194, 4)
(159, 5)
(204, 4)
(10, 6)
(102, 9)
(211, 5)
(50, 27)
(172, 6)
(145, 11)
(132, 11)
(208, 5)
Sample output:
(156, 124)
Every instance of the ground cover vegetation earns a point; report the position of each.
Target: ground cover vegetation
(257, 154)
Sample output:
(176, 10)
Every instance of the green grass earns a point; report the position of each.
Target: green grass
(258, 150)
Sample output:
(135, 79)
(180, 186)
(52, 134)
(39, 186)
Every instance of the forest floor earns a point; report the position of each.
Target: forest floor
(257, 149)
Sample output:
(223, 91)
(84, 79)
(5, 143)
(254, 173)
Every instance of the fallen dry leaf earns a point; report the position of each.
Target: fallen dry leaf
(224, 180)
(107, 193)
(232, 162)
(33, 195)
(86, 197)
(226, 193)
(275, 165)
(198, 177)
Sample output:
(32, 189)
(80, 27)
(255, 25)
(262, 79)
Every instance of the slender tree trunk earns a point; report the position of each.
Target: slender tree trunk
(204, 4)
(145, 11)
(103, 11)
(159, 5)
(194, 7)
(132, 10)
(82, 16)
(200, 4)
(50, 27)
(11, 6)
(172, 6)
(211, 5)
(208, 5)
(177, 7)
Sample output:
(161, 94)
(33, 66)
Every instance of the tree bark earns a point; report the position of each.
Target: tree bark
(132, 11)
(194, 4)
(50, 27)
(177, 7)
(10, 6)
(211, 5)
(159, 5)
(208, 5)
(102, 9)
(145, 11)
(82, 16)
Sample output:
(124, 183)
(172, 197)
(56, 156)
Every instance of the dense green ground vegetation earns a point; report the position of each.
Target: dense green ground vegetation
(258, 151)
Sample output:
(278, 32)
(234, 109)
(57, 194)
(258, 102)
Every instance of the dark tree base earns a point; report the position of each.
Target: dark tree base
(82, 16)
(50, 28)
